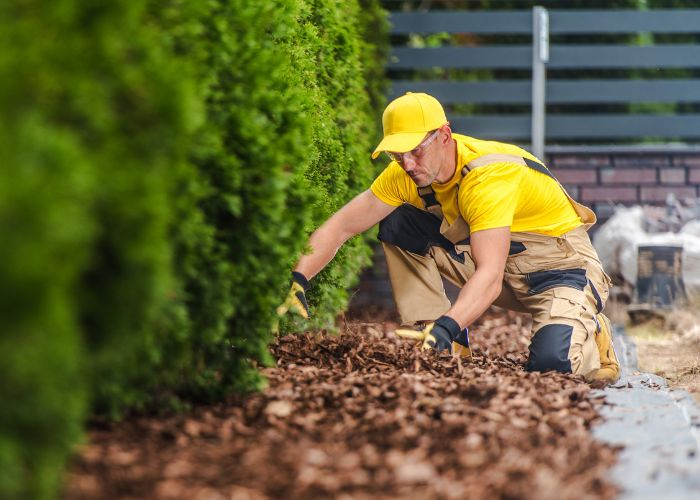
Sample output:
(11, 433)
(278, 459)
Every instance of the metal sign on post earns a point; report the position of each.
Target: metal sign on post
(540, 56)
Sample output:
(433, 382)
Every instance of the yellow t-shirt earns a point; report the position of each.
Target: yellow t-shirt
(501, 194)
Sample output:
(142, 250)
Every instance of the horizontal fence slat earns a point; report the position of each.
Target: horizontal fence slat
(599, 126)
(624, 21)
(602, 126)
(558, 91)
(462, 22)
(622, 56)
(492, 126)
(561, 57)
(622, 91)
(505, 56)
(561, 21)
(467, 92)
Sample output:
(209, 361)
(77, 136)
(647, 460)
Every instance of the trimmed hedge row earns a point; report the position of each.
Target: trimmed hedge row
(163, 164)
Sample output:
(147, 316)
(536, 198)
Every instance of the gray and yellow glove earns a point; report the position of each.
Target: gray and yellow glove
(443, 334)
(296, 298)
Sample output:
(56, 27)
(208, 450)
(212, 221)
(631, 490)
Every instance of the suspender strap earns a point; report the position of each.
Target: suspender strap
(587, 215)
(540, 168)
(498, 157)
(430, 201)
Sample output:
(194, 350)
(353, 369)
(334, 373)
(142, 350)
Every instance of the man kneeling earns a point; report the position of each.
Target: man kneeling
(489, 217)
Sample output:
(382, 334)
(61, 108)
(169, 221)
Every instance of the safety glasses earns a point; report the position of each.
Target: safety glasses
(416, 152)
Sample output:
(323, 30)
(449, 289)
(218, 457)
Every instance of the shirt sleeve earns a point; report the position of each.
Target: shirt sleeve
(392, 186)
(488, 197)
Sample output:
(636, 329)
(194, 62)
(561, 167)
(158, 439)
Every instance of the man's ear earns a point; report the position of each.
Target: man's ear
(447, 136)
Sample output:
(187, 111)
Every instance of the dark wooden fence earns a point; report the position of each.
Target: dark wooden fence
(596, 107)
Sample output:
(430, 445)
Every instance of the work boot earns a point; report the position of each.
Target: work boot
(609, 365)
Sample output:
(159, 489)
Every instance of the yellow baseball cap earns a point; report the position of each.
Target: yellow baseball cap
(407, 119)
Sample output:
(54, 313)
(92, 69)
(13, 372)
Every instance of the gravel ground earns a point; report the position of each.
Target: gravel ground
(365, 415)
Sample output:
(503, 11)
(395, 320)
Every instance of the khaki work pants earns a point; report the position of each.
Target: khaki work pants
(558, 280)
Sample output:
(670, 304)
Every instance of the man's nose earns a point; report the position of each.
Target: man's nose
(408, 161)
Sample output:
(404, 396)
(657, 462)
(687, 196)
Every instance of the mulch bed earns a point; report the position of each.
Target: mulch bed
(366, 415)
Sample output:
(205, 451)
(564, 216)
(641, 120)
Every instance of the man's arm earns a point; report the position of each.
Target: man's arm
(490, 250)
(358, 215)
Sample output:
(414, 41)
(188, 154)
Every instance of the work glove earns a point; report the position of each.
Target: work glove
(443, 334)
(296, 298)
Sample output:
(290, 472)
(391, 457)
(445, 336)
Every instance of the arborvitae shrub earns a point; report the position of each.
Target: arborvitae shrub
(92, 116)
(163, 163)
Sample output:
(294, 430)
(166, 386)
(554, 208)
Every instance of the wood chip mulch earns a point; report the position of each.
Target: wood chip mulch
(366, 415)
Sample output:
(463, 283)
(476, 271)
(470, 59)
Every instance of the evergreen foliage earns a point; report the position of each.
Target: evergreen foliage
(163, 164)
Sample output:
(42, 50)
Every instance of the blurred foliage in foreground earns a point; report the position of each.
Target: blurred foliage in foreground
(162, 164)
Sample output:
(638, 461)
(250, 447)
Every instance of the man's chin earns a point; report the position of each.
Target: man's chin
(420, 182)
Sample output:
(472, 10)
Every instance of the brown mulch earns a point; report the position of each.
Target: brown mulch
(365, 415)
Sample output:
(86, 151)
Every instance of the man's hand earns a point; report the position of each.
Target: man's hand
(296, 298)
(443, 334)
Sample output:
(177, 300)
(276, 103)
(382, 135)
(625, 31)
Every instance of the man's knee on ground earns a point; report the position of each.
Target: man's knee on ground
(549, 349)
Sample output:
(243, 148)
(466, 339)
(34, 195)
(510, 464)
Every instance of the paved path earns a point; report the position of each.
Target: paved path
(659, 428)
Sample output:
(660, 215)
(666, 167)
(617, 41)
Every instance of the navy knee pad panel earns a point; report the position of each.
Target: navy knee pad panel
(413, 230)
(549, 349)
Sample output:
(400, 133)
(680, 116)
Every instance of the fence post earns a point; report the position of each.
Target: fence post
(540, 56)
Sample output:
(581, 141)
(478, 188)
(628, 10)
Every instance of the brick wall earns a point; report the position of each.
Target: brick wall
(603, 176)
(599, 177)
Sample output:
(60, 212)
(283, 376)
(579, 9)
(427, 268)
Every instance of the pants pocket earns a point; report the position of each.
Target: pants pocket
(567, 303)
(543, 254)
(541, 281)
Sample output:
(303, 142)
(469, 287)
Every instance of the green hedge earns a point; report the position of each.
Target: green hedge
(163, 164)
(91, 119)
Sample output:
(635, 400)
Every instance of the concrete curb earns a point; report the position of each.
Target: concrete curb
(659, 428)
